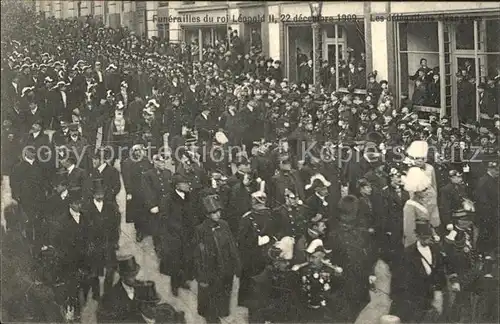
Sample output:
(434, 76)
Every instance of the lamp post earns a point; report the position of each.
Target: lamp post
(316, 7)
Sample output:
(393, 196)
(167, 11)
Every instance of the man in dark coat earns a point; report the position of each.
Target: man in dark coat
(253, 234)
(76, 178)
(394, 198)
(285, 179)
(103, 234)
(216, 260)
(418, 283)
(419, 97)
(109, 175)
(29, 186)
(133, 169)
(73, 233)
(119, 303)
(487, 209)
(175, 234)
(352, 249)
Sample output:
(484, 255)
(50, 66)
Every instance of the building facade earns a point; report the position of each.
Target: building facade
(390, 37)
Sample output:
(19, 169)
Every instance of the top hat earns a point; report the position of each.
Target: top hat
(179, 178)
(212, 203)
(127, 265)
(97, 186)
(146, 293)
(423, 229)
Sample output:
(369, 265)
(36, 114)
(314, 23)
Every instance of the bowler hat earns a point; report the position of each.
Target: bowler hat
(211, 203)
(127, 265)
(146, 293)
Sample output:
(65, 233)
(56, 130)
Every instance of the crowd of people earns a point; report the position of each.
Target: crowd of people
(233, 170)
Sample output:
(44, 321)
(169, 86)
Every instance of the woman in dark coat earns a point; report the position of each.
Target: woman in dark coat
(216, 262)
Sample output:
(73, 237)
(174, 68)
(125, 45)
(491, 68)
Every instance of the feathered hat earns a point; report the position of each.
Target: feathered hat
(317, 246)
(416, 180)
(221, 138)
(259, 196)
(282, 249)
(317, 181)
(418, 149)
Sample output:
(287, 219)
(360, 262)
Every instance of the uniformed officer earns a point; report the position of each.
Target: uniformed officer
(156, 184)
(253, 235)
(319, 279)
(453, 196)
(289, 218)
(463, 265)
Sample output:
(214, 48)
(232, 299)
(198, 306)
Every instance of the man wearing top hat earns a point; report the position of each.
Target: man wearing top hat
(217, 260)
(419, 280)
(119, 303)
(149, 309)
(104, 234)
(76, 177)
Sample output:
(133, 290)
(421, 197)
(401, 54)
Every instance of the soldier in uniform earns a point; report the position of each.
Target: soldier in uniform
(463, 265)
(133, 169)
(286, 178)
(319, 280)
(155, 185)
(289, 218)
(453, 196)
(253, 234)
(487, 209)
(274, 294)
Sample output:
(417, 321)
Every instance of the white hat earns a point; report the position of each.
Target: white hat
(260, 196)
(416, 180)
(316, 246)
(317, 178)
(48, 79)
(26, 89)
(120, 105)
(153, 102)
(111, 66)
(221, 138)
(286, 245)
(418, 149)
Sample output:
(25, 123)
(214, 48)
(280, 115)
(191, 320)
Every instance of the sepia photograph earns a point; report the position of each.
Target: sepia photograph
(240, 162)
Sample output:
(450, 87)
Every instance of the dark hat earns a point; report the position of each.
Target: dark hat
(98, 186)
(374, 137)
(371, 75)
(179, 178)
(212, 203)
(146, 293)
(423, 229)
(127, 266)
(349, 205)
(73, 127)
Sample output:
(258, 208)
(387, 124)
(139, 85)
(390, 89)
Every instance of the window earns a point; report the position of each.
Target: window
(418, 75)
(188, 2)
(163, 4)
